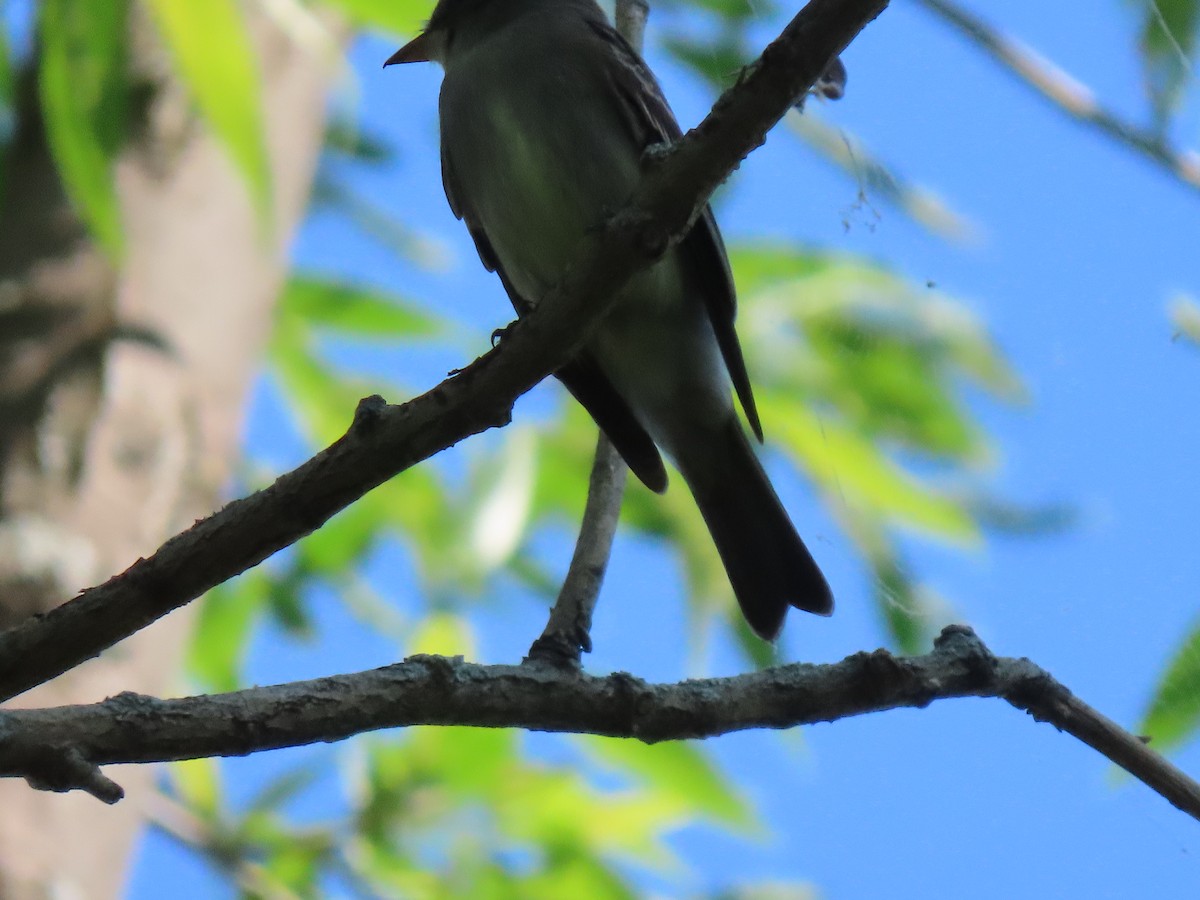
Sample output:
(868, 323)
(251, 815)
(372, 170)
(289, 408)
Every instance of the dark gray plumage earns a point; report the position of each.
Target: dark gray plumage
(545, 114)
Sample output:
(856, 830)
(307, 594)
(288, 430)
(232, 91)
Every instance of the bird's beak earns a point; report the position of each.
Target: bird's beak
(419, 49)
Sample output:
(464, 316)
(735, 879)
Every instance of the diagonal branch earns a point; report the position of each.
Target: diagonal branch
(1064, 92)
(435, 690)
(385, 440)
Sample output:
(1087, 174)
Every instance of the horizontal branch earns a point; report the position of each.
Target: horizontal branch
(434, 690)
(385, 440)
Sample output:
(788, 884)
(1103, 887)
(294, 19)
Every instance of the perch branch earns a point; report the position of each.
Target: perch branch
(569, 630)
(568, 633)
(385, 440)
(434, 690)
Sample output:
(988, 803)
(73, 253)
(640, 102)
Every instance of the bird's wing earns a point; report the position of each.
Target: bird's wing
(649, 120)
(582, 376)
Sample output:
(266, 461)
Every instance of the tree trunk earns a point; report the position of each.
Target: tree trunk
(121, 397)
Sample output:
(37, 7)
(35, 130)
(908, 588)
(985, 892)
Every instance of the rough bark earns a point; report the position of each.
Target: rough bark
(121, 405)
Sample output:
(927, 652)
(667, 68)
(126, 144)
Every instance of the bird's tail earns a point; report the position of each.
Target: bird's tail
(766, 561)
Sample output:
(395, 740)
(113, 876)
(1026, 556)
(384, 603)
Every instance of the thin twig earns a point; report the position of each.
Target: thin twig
(1066, 93)
(385, 440)
(630, 18)
(435, 690)
(568, 632)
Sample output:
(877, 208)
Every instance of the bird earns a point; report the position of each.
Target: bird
(545, 114)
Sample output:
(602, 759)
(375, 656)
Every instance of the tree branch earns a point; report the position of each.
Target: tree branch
(1064, 92)
(385, 440)
(569, 630)
(434, 690)
(567, 634)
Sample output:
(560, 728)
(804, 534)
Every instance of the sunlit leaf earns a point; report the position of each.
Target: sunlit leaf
(8, 87)
(355, 310)
(448, 635)
(322, 398)
(501, 503)
(216, 61)
(1174, 713)
(83, 87)
(678, 768)
(397, 17)
(7, 110)
(222, 632)
(852, 471)
(197, 783)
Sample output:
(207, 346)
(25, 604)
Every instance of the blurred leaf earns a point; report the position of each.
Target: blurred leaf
(322, 399)
(396, 17)
(679, 768)
(1167, 44)
(770, 890)
(903, 606)
(376, 222)
(1174, 712)
(734, 12)
(83, 87)
(351, 309)
(718, 61)
(278, 791)
(445, 635)
(345, 138)
(877, 180)
(197, 783)
(719, 58)
(286, 604)
(222, 633)
(501, 500)
(216, 61)
(1012, 518)
(1185, 316)
(8, 86)
(8, 117)
(853, 472)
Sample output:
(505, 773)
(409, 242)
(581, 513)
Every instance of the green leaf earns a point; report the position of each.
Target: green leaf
(1168, 43)
(280, 790)
(355, 310)
(83, 87)
(1174, 712)
(397, 17)
(8, 86)
(216, 61)
(679, 769)
(322, 399)
(7, 112)
(445, 634)
(197, 783)
(853, 469)
(222, 634)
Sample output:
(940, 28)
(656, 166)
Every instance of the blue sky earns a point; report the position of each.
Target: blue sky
(1079, 247)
